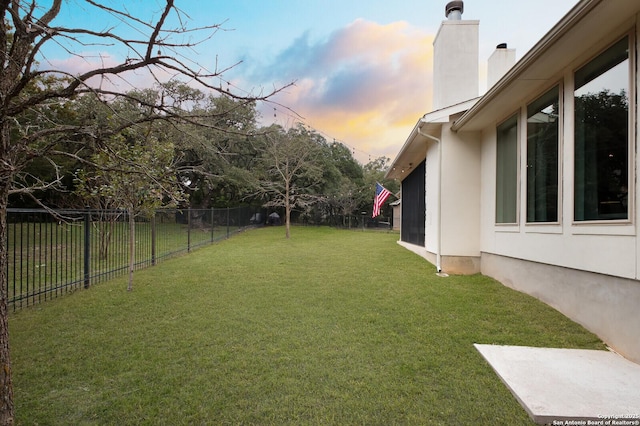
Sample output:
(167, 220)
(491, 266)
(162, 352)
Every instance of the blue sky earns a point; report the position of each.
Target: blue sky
(362, 69)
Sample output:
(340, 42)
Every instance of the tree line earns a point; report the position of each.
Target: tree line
(210, 152)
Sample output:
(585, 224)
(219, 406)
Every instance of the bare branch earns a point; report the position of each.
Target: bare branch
(156, 31)
(51, 13)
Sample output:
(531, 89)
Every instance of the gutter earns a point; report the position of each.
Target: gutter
(562, 27)
(439, 240)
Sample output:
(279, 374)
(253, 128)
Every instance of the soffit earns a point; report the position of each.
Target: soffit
(412, 153)
(414, 150)
(589, 27)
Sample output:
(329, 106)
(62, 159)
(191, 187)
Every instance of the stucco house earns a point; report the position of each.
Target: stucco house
(534, 183)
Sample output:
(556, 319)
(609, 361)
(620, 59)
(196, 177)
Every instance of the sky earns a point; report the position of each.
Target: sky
(361, 69)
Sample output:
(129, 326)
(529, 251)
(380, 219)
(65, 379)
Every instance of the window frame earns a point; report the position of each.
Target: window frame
(567, 149)
(518, 126)
(601, 225)
(559, 88)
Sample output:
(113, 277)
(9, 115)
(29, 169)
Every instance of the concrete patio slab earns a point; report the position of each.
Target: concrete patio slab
(569, 386)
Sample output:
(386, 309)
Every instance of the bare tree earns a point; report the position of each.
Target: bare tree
(28, 90)
(291, 172)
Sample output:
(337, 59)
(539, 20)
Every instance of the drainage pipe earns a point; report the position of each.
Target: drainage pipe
(439, 223)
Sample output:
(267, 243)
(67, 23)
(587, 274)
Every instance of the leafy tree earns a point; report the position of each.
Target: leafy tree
(345, 200)
(135, 174)
(343, 183)
(346, 164)
(601, 149)
(222, 152)
(374, 171)
(290, 175)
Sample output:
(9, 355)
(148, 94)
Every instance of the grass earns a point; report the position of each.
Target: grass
(46, 259)
(330, 327)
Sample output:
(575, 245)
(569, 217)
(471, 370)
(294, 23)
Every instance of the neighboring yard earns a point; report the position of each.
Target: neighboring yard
(330, 327)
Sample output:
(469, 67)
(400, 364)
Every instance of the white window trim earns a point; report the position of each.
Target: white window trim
(606, 227)
(514, 226)
(554, 227)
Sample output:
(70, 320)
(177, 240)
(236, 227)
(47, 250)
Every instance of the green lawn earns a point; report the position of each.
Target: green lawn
(47, 259)
(330, 327)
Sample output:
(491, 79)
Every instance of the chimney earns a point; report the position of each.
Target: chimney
(455, 58)
(500, 61)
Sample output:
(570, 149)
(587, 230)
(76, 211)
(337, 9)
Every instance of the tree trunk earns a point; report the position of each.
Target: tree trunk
(7, 412)
(132, 247)
(287, 211)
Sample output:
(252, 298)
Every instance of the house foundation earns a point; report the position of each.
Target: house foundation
(603, 304)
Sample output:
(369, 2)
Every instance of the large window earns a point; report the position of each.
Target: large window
(602, 136)
(542, 158)
(507, 171)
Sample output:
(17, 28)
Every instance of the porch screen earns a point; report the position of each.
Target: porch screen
(602, 136)
(413, 207)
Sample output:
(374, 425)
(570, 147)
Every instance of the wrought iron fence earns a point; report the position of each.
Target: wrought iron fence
(52, 253)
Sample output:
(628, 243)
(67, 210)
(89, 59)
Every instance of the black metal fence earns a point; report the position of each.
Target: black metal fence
(52, 253)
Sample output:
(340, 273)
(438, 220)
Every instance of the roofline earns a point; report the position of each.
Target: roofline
(405, 146)
(437, 118)
(578, 12)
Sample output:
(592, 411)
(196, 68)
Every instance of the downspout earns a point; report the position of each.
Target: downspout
(439, 224)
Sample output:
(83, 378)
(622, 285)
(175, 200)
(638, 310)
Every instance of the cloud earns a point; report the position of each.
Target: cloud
(84, 62)
(366, 84)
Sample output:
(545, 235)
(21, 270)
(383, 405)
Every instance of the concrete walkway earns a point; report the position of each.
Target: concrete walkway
(569, 386)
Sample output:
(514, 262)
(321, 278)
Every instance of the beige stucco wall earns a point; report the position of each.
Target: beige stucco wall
(455, 63)
(457, 191)
(460, 194)
(454, 265)
(500, 61)
(605, 305)
(432, 185)
(605, 248)
(460, 265)
(588, 271)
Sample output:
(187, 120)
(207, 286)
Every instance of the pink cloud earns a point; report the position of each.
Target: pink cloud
(366, 84)
(87, 61)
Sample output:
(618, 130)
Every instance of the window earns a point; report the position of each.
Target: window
(542, 158)
(507, 171)
(602, 136)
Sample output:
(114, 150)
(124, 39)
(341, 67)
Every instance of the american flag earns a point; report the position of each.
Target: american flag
(382, 194)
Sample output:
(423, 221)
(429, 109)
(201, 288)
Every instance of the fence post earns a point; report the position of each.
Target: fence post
(153, 238)
(227, 222)
(87, 247)
(189, 229)
(211, 224)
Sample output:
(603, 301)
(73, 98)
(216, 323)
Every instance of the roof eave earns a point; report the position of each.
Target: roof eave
(565, 24)
(431, 124)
